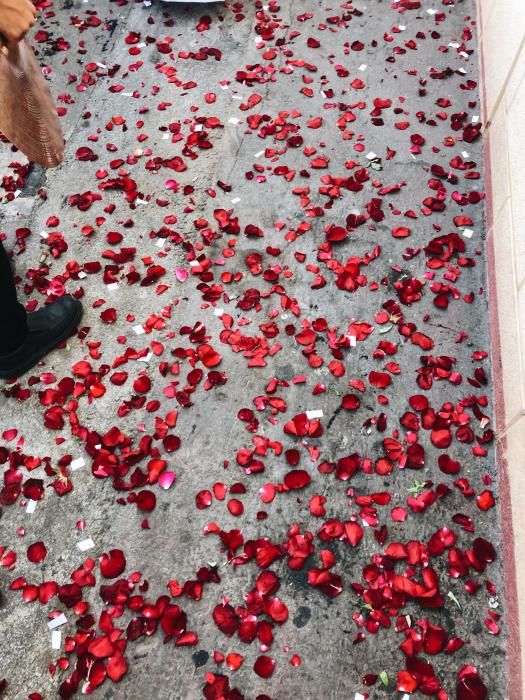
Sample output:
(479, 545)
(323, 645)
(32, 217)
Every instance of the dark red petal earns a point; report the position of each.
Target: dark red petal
(36, 552)
(112, 564)
(203, 499)
(146, 501)
(351, 402)
(297, 479)
(264, 666)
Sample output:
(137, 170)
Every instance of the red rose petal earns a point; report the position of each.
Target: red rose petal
(112, 564)
(226, 619)
(173, 620)
(267, 493)
(146, 501)
(264, 666)
(297, 479)
(117, 667)
(447, 465)
(354, 533)
(101, 648)
(203, 499)
(36, 552)
(470, 686)
(351, 402)
(485, 500)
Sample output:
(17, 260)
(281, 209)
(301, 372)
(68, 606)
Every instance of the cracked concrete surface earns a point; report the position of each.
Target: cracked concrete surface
(320, 630)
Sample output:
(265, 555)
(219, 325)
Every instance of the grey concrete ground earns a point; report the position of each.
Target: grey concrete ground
(144, 68)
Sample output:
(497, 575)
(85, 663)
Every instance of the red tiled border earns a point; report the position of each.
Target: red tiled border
(514, 656)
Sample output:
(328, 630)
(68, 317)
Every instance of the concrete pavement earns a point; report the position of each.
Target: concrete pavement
(285, 174)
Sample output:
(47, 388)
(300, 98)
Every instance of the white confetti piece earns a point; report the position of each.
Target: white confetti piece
(146, 358)
(353, 340)
(138, 330)
(160, 243)
(317, 413)
(81, 275)
(402, 27)
(112, 286)
(464, 54)
(44, 234)
(475, 119)
(78, 463)
(465, 154)
(358, 696)
(31, 505)
(363, 67)
(57, 622)
(234, 120)
(198, 127)
(453, 598)
(84, 545)
(371, 155)
(141, 45)
(218, 312)
(468, 232)
(194, 263)
(224, 87)
(236, 97)
(236, 200)
(431, 11)
(56, 639)
(454, 45)
(259, 154)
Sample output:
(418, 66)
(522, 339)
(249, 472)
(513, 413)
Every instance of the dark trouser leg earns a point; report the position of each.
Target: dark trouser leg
(13, 323)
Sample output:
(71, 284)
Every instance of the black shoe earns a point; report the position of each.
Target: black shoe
(47, 327)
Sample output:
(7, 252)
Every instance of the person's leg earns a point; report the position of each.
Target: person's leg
(13, 322)
(26, 338)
